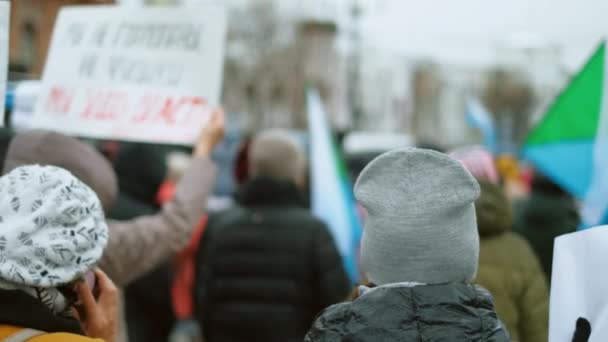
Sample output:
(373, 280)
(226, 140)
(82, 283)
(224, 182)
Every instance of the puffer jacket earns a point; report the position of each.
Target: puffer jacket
(510, 270)
(400, 312)
(147, 300)
(266, 267)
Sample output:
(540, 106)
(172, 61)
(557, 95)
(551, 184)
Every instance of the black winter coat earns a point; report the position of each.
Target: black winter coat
(543, 217)
(266, 268)
(450, 312)
(148, 311)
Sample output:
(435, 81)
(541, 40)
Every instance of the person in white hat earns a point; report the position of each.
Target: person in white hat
(52, 234)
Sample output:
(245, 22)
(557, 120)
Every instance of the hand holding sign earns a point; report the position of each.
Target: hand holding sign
(211, 134)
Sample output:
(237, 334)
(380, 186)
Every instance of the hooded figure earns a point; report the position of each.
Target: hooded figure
(548, 213)
(510, 270)
(420, 248)
(147, 301)
(135, 246)
(52, 232)
(138, 186)
(508, 267)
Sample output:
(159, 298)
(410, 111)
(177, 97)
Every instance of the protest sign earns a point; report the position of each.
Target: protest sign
(579, 284)
(133, 73)
(4, 27)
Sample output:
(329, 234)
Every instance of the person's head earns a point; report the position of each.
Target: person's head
(50, 148)
(141, 169)
(275, 154)
(420, 225)
(542, 184)
(479, 161)
(52, 232)
(494, 212)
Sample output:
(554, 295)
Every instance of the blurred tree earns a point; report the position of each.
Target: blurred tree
(509, 96)
(426, 89)
(259, 66)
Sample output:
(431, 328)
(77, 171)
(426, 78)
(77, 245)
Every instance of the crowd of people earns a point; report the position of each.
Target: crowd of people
(122, 244)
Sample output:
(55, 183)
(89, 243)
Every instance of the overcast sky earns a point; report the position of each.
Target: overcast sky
(469, 31)
(472, 30)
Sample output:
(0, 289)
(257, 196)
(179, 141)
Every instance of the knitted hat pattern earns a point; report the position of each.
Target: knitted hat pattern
(52, 227)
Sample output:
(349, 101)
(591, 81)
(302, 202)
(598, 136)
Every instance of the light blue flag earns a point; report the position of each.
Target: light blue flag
(331, 190)
(478, 117)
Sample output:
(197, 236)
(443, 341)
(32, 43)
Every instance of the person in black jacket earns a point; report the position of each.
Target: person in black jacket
(266, 267)
(141, 168)
(547, 213)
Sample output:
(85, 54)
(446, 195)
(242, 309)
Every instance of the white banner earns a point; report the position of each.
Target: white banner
(144, 74)
(579, 284)
(5, 7)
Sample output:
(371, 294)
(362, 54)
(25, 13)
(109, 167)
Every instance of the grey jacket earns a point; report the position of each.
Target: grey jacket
(449, 312)
(136, 246)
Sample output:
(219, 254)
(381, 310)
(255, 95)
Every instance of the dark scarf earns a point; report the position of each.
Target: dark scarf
(264, 191)
(22, 310)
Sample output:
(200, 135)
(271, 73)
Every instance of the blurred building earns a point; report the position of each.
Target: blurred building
(384, 95)
(32, 23)
(274, 50)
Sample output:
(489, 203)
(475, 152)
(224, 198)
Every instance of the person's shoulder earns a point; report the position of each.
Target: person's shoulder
(330, 324)
(335, 311)
(307, 216)
(515, 239)
(226, 216)
(63, 337)
(310, 222)
(299, 217)
(517, 242)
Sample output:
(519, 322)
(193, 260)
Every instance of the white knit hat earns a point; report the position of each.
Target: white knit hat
(421, 224)
(52, 227)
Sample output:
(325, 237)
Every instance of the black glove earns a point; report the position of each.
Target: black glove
(583, 330)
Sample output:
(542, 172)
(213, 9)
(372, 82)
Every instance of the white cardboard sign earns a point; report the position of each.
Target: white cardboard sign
(579, 284)
(133, 73)
(5, 7)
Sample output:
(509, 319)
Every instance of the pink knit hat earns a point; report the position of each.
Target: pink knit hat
(478, 161)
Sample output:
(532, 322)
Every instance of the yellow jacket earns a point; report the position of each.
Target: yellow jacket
(8, 330)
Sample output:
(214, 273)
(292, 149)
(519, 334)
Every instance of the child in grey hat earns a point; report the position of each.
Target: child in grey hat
(420, 249)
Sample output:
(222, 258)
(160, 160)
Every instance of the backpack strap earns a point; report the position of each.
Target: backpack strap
(23, 335)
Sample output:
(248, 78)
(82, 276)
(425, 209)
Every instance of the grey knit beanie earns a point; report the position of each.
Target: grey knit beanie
(276, 154)
(421, 224)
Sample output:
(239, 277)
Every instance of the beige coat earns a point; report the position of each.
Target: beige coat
(510, 270)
